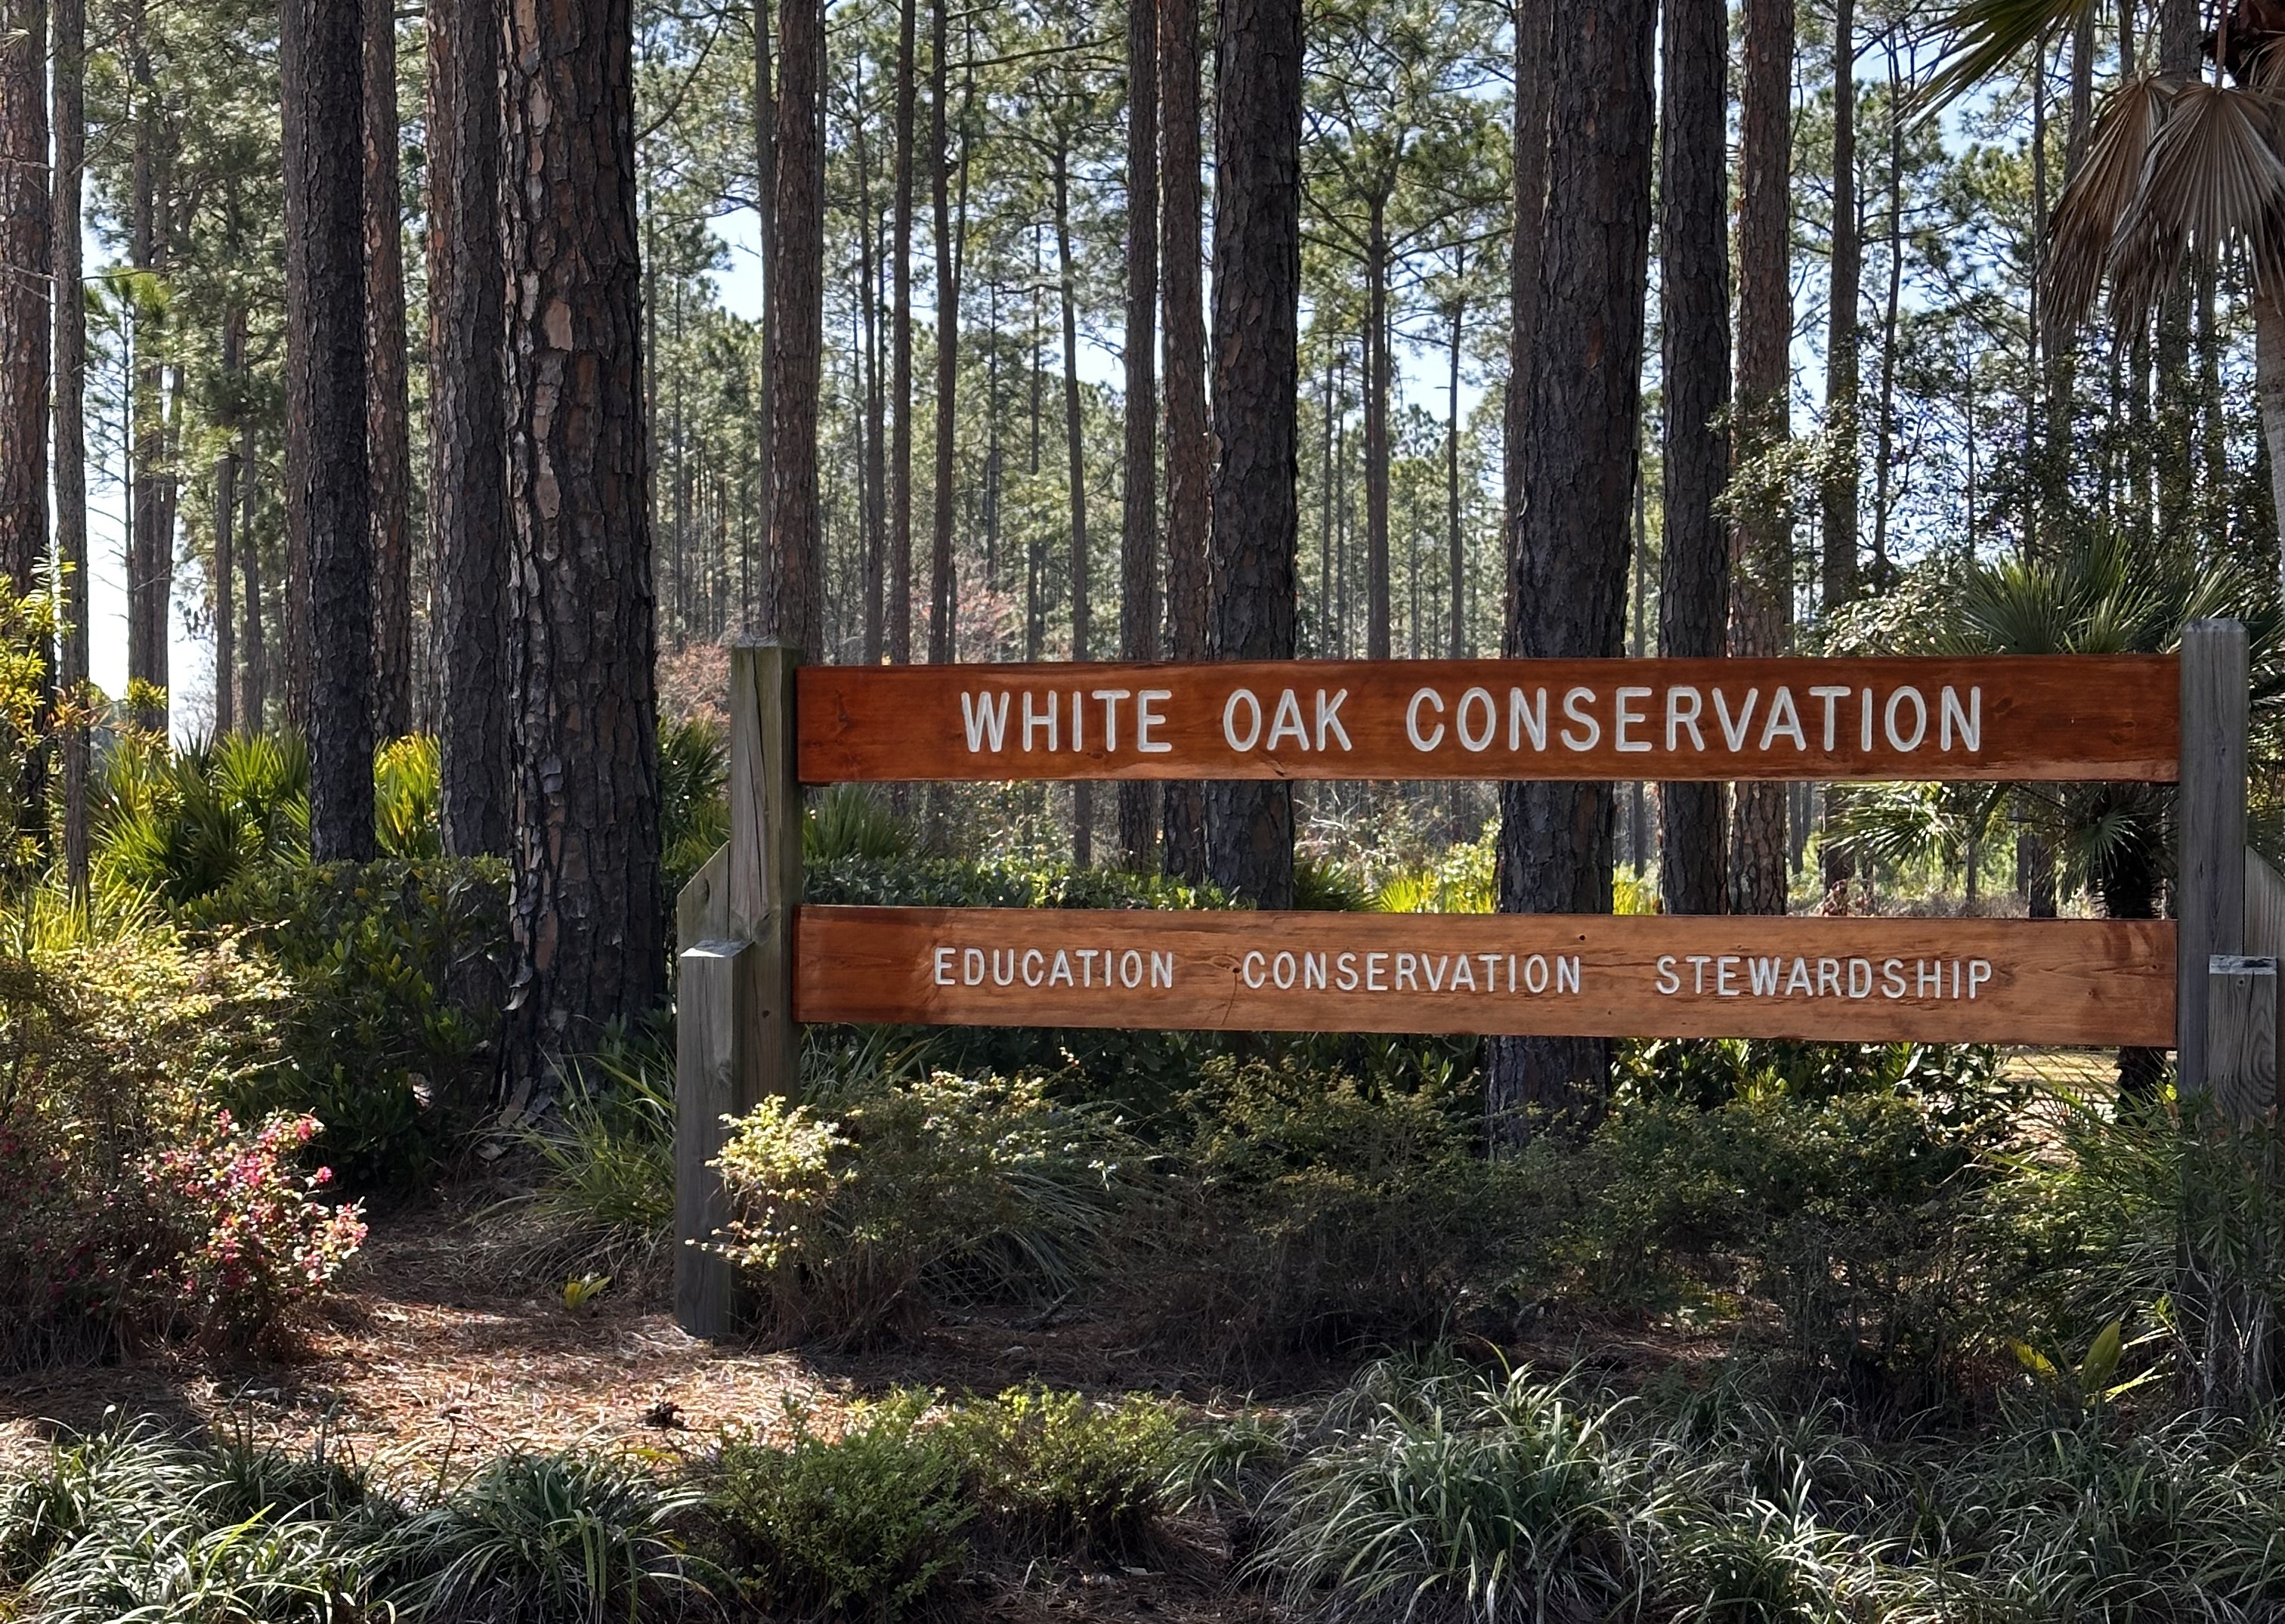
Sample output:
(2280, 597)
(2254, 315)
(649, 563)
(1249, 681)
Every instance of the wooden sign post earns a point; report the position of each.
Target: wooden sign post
(756, 965)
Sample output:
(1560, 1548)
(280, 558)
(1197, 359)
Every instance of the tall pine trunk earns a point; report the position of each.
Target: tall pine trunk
(1842, 384)
(1761, 600)
(589, 916)
(1527, 241)
(326, 392)
(227, 472)
(388, 408)
(943, 590)
(1257, 284)
(1568, 544)
(1138, 595)
(151, 541)
(875, 574)
(900, 347)
(467, 428)
(765, 211)
(1075, 447)
(253, 697)
(27, 228)
(1189, 452)
(70, 407)
(27, 268)
(1376, 429)
(1693, 593)
(794, 605)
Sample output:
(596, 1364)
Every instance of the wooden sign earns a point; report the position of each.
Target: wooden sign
(2062, 717)
(1958, 981)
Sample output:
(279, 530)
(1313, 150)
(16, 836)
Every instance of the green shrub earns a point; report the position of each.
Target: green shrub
(1312, 1212)
(864, 1523)
(544, 1539)
(398, 973)
(1853, 1214)
(1056, 1473)
(1465, 1497)
(855, 1214)
(2168, 1219)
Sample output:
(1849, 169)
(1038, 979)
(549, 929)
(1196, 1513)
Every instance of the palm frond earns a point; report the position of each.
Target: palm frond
(2100, 195)
(2212, 184)
(1982, 37)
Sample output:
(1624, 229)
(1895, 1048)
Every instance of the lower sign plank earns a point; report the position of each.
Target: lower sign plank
(2090, 982)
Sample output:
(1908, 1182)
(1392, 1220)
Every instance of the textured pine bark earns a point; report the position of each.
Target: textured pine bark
(1569, 543)
(26, 234)
(1138, 555)
(1761, 600)
(1189, 451)
(1256, 381)
(588, 914)
(793, 604)
(70, 322)
(900, 349)
(388, 401)
(1693, 597)
(467, 470)
(325, 390)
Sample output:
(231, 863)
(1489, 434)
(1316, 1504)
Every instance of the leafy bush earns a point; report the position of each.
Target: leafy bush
(853, 1215)
(1466, 1496)
(1053, 1471)
(867, 1522)
(137, 1208)
(1309, 1212)
(544, 1539)
(1851, 1214)
(398, 973)
(2167, 1217)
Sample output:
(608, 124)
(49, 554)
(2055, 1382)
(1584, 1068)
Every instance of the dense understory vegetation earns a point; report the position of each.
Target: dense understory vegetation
(1786, 1332)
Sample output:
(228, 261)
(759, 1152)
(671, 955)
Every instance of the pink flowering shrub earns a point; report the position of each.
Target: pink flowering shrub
(243, 1235)
(133, 1208)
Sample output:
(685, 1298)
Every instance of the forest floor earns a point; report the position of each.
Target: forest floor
(435, 1355)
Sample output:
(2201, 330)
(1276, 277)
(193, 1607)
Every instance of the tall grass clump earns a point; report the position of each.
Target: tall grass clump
(1468, 1496)
(546, 1539)
(126, 1527)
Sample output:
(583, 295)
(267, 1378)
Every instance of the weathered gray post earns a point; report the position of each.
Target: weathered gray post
(735, 1039)
(2210, 861)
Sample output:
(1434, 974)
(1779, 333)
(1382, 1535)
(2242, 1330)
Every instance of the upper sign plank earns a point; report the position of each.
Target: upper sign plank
(2052, 717)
